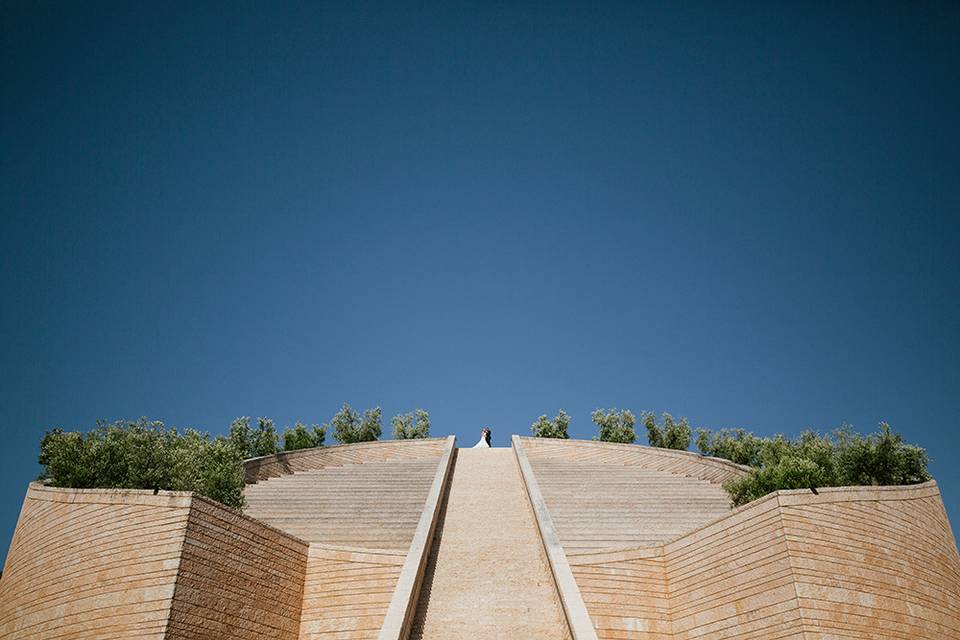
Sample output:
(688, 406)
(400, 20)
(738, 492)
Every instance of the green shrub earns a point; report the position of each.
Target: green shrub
(614, 426)
(299, 437)
(264, 438)
(737, 445)
(843, 458)
(349, 427)
(254, 443)
(410, 426)
(787, 473)
(669, 434)
(241, 436)
(881, 458)
(556, 428)
(144, 455)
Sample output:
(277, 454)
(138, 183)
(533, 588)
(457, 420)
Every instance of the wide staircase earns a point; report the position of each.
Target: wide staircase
(598, 505)
(487, 575)
(372, 505)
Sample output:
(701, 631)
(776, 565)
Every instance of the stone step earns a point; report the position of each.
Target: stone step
(372, 505)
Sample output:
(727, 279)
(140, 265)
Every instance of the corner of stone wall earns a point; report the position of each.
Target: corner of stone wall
(237, 578)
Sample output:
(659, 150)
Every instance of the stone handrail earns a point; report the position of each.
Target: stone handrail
(403, 604)
(581, 627)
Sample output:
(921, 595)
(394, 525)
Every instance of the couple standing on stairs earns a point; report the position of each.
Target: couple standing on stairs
(484, 439)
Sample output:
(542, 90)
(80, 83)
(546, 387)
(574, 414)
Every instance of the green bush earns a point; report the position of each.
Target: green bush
(264, 438)
(410, 426)
(788, 473)
(349, 427)
(881, 458)
(614, 426)
(144, 455)
(556, 428)
(737, 445)
(299, 437)
(669, 434)
(842, 458)
(254, 443)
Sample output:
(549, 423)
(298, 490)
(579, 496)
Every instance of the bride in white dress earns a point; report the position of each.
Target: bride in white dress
(484, 440)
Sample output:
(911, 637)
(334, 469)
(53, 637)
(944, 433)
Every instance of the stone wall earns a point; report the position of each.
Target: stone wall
(873, 558)
(238, 578)
(733, 579)
(92, 564)
(848, 562)
(118, 564)
(625, 592)
(347, 592)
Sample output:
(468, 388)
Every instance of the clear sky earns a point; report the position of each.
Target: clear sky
(748, 215)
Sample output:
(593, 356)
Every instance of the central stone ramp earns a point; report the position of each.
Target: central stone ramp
(487, 576)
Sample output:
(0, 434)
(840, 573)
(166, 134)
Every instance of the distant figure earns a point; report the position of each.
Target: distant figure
(484, 440)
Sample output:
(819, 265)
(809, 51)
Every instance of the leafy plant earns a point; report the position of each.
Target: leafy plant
(241, 436)
(264, 438)
(841, 458)
(737, 445)
(409, 426)
(787, 473)
(349, 427)
(669, 434)
(543, 427)
(614, 426)
(300, 437)
(254, 443)
(144, 454)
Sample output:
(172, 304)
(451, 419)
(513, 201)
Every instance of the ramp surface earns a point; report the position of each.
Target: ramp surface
(487, 576)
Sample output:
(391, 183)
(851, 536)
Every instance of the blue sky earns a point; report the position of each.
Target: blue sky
(748, 215)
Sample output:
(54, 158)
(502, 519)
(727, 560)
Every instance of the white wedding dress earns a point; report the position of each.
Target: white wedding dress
(482, 444)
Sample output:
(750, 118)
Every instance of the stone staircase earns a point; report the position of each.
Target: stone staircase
(487, 576)
(598, 505)
(372, 505)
